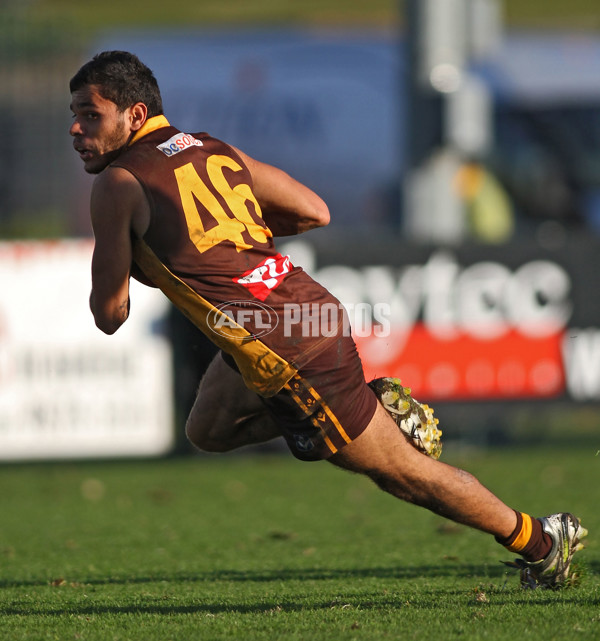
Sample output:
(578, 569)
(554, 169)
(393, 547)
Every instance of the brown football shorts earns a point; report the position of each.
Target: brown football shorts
(326, 405)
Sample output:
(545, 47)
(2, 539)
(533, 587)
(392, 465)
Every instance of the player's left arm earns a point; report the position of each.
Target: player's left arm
(288, 207)
(113, 202)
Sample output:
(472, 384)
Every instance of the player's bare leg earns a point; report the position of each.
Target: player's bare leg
(226, 414)
(385, 455)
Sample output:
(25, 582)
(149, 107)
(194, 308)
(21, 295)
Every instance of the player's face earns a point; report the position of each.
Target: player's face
(99, 129)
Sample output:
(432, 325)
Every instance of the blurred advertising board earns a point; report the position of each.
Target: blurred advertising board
(66, 389)
(471, 322)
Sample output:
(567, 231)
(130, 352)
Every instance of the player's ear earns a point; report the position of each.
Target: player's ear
(138, 114)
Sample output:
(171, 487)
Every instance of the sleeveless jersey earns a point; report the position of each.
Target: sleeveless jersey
(209, 250)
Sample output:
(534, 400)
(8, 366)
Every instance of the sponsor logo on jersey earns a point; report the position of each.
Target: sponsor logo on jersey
(266, 276)
(178, 142)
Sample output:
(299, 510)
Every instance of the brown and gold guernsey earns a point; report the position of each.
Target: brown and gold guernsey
(209, 250)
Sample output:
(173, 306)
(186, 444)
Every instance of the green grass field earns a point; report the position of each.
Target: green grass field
(265, 547)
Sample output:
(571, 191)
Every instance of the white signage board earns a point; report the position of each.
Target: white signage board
(66, 389)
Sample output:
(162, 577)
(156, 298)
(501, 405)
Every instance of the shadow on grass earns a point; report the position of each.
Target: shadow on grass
(444, 569)
(374, 601)
(424, 597)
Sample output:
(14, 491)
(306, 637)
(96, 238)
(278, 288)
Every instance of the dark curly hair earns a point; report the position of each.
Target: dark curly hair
(121, 78)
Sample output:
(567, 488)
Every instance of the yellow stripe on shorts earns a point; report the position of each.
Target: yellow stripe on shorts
(307, 411)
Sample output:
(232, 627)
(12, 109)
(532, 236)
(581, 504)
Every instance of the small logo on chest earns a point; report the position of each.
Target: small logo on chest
(178, 142)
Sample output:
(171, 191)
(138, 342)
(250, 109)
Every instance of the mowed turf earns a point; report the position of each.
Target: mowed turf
(265, 547)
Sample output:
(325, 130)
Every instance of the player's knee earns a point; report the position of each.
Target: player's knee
(203, 440)
(409, 485)
(208, 430)
(193, 433)
(198, 433)
(398, 487)
(413, 489)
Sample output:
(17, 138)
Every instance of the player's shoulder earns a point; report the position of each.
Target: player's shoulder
(116, 188)
(114, 177)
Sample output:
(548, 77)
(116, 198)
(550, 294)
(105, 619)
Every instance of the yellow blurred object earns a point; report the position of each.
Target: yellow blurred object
(487, 206)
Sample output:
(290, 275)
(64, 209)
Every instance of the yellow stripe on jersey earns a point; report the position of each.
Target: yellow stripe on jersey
(263, 371)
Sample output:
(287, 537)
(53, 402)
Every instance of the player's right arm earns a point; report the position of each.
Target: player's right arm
(288, 207)
(115, 203)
